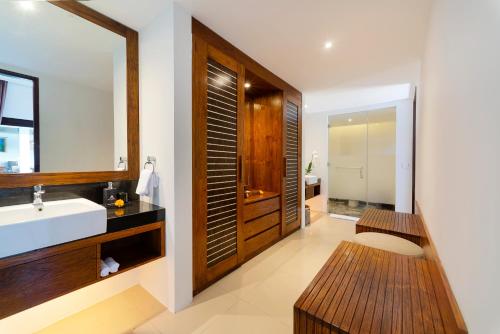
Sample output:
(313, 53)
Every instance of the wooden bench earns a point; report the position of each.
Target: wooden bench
(367, 290)
(403, 225)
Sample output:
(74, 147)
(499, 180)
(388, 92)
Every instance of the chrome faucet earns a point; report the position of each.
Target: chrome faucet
(37, 197)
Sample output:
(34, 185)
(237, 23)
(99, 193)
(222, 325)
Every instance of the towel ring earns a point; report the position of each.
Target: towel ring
(150, 161)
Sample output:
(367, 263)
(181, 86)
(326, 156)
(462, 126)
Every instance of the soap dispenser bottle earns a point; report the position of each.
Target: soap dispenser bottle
(109, 195)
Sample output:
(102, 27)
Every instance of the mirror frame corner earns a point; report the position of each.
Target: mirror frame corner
(132, 49)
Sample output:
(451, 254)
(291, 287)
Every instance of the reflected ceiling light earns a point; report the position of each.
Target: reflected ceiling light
(26, 5)
(247, 85)
(222, 80)
(328, 44)
(349, 120)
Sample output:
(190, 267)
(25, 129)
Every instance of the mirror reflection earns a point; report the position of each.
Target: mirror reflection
(63, 104)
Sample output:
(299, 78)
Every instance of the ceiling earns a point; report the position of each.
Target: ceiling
(369, 117)
(47, 40)
(374, 42)
(135, 14)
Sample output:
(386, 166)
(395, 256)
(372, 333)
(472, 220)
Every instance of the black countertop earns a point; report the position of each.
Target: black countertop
(134, 214)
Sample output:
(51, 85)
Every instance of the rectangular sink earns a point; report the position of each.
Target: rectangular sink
(23, 228)
(311, 179)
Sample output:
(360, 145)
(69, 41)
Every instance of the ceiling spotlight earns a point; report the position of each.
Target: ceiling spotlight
(247, 85)
(328, 44)
(349, 120)
(26, 5)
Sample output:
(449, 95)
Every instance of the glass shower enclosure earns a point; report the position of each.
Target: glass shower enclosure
(361, 162)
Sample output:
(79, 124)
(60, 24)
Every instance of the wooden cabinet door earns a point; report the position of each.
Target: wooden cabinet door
(218, 97)
(292, 180)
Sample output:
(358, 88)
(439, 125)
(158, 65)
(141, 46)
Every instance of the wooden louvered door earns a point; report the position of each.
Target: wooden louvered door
(292, 186)
(217, 151)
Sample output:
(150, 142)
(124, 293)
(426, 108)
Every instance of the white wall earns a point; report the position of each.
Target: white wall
(458, 162)
(76, 124)
(76, 127)
(315, 138)
(356, 97)
(166, 134)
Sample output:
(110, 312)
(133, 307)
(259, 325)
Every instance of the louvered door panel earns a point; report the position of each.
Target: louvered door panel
(291, 191)
(222, 173)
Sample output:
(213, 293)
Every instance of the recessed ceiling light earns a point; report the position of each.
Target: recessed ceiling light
(247, 85)
(349, 120)
(328, 44)
(26, 5)
(306, 106)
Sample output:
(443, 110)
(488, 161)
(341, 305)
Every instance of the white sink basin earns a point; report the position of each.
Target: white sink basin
(23, 228)
(311, 179)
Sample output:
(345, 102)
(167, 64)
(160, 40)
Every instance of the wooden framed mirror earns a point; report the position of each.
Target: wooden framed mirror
(86, 68)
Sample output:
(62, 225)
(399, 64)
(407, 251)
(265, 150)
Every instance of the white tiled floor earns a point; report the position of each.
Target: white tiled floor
(259, 296)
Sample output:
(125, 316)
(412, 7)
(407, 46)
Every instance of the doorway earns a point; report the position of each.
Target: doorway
(361, 162)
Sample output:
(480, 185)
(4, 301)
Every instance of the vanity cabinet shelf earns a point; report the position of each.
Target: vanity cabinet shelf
(32, 278)
(313, 190)
(135, 250)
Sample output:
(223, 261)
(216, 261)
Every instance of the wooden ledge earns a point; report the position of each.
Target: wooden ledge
(367, 290)
(403, 225)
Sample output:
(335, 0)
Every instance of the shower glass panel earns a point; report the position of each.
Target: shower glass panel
(347, 164)
(361, 162)
(381, 168)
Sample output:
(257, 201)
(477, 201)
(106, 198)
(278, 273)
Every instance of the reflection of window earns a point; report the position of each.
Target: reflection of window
(19, 146)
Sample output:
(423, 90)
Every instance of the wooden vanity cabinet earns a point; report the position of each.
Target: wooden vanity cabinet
(32, 283)
(244, 138)
(31, 278)
(262, 223)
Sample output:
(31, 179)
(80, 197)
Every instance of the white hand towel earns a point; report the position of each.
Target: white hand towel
(112, 264)
(143, 186)
(104, 269)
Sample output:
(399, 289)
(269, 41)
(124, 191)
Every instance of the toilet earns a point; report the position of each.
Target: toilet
(390, 243)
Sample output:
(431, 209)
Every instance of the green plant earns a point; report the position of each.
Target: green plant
(309, 168)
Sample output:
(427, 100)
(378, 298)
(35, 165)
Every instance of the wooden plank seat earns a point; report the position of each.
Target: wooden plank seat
(367, 290)
(404, 225)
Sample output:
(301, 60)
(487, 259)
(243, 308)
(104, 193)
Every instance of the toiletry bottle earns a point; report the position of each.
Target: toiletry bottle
(109, 195)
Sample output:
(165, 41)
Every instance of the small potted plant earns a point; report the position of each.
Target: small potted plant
(310, 179)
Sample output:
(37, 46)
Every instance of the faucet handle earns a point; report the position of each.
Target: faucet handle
(38, 188)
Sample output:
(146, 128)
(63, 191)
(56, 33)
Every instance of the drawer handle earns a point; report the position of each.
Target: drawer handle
(284, 167)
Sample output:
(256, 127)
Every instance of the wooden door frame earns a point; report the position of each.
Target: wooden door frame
(132, 80)
(35, 124)
(414, 153)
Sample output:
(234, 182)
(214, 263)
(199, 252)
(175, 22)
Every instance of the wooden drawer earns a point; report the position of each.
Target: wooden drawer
(32, 283)
(253, 227)
(261, 241)
(261, 208)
